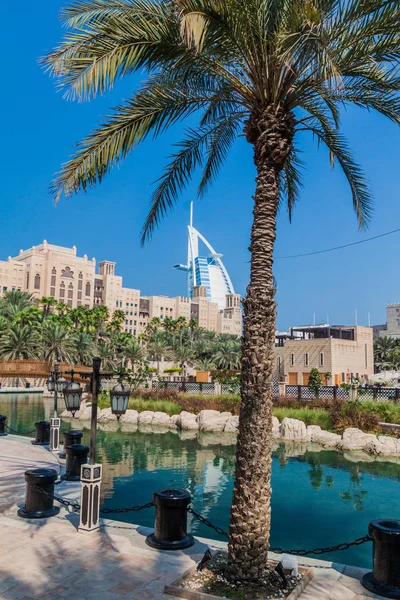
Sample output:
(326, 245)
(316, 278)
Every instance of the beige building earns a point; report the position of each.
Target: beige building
(49, 270)
(343, 351)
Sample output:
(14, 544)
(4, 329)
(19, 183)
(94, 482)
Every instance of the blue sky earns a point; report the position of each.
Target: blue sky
(39, 130)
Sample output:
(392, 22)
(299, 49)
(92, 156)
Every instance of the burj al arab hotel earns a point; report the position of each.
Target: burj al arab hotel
(208, 270)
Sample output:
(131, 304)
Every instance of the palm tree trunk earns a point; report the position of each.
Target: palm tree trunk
(251, 510)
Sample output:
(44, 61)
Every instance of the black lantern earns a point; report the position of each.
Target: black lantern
(51, 384)
(119, 400)
(61, 385)
(72, 397)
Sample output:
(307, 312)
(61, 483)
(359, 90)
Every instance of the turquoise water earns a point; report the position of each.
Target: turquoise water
(320, 498)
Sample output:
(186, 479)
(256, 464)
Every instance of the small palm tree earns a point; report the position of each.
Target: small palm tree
(271, 71)
(47, 303)
(183, 356)
(19, 342)
(133, 351)
(56, 342)
(107, 352)
(157, 349)
(14, 302)
(205, 364)
(227, 355)
(31, 316)
(84, 347)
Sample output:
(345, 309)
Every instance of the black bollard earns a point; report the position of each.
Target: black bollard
(70, 438)
(76, 457)
(42, 433)
(384, 580)
(39, 503)
(170, 529)
(3, 420)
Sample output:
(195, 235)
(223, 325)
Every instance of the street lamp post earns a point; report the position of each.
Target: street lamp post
(91, 473)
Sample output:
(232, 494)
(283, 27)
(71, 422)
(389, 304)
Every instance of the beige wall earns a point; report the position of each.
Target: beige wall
(230, 320)
(50, 270)
(56, 271)
(342, 358)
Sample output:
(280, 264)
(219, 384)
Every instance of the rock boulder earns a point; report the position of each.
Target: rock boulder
(232, 424)
(355, 439)
(212, 420)
(293, 429)
(145, 417)
(187, 420)
(161, 418)
(131, 416)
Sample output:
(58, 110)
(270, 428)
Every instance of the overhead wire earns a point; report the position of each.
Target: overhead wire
(375, 237)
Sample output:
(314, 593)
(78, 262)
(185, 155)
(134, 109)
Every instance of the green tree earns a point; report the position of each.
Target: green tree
(84, 347)
(55, 341)
(271, 71)
(157, 349)
(315, 381)
(204, 364)
(19, 342)
(133, 351)
(47, 303)
(11, 303)
(227, 355)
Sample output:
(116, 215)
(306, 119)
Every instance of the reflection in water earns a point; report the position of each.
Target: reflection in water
(320, 497)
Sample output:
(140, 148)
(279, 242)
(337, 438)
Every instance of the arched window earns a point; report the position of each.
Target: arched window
(62, 290)
(67, 272)
(37, 281)
(54, 271)
(53, 277)
(80, 282)
(27, 281)
(70, 291)
(88, 288)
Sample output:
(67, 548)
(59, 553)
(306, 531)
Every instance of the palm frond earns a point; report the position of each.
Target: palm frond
(339, 150)
(152, 110)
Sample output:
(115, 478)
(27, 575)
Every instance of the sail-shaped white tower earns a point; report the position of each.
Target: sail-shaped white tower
(208, 271)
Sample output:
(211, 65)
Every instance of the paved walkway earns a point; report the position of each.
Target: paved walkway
(48, 559)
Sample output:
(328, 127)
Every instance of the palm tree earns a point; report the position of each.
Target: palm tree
(115, 324)
(106, 351)
(18, 342)
(56, 342)
(133, 351)
(11, 303)
(47, 303)
(205, 364)
(157, 349)
(84, 348)
(270, 70)
(184, 356)
(30, 316)
(227, 355)
(383, 346)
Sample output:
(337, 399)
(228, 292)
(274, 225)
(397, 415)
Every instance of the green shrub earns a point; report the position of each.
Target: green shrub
(196, 402)
(167, 406)
(352, 414)
(308, 415)
(173, 370)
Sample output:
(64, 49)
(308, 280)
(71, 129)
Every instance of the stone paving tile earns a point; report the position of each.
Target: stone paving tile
(123, 589)
(51, 561)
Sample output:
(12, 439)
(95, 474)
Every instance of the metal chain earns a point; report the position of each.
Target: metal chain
(11, 430)
(64, 477)
(107, 511)
(67, 503)
(317, 551)
(207, 522)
